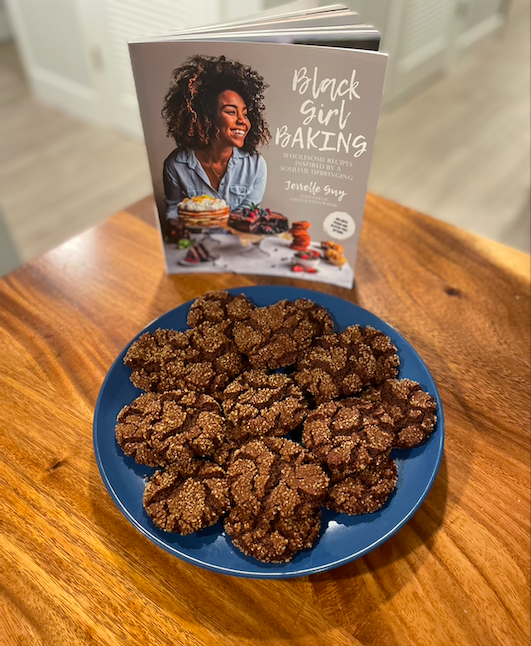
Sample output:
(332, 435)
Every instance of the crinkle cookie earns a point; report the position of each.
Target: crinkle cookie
(341, 364)
(273, 540)
(365, 492)
(344, 440)
(203, 359)
(158, 429)
(274, 336)
(276, 487)
(275, 476)
(411, 410)
(186, 500)
(260, 404)
(231, 443)
(216, 307)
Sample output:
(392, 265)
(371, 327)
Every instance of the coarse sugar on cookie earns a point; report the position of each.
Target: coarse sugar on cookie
(273, 540)
(274, 336)
(187, 500)
(345, 441)
(276, 487)
(339, 365)
(160, 428)
(217, 307)
(365, 492)
(231, 443)
(412, 410)
(262, 404)
(203, 359)
(275, 476)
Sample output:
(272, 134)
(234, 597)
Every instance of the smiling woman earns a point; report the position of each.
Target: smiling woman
(214, 111)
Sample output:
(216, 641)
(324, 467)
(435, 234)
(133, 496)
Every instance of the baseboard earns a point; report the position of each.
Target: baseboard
(479, 32)
(73, 98)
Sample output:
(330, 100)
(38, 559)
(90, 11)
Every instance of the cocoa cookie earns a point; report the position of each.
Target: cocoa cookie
(275, 476)
(274, 541)
(276, 487)
(411, 410)
(216, 307)
(274, 336)
(341, 364)
(203, 359)
(260, 404)
(186, 500)
(344, 440)
(365, 492)
(158, 429)
(224, 452)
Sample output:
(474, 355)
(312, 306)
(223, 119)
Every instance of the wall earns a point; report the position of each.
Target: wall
(51, 41)
(5, 27)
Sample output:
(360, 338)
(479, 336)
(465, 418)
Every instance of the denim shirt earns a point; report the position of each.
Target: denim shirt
(243, 184)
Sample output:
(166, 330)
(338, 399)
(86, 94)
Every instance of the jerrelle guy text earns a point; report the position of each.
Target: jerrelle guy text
(313, 188)
(336, 92)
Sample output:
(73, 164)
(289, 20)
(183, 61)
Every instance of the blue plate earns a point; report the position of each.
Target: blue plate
(343, 538)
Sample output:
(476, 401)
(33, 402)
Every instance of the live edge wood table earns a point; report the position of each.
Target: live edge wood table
(74, 571)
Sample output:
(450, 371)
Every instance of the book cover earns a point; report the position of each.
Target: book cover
(259, 152)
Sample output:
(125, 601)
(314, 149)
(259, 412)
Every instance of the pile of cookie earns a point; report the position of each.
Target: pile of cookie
(334, 253)
(261, 416)
(301, 238)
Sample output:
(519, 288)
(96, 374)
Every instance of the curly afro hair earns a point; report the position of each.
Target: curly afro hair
(190, 106)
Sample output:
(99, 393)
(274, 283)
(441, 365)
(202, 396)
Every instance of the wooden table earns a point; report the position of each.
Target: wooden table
(74, 571)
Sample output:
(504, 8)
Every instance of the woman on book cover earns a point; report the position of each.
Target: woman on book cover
(214, 111)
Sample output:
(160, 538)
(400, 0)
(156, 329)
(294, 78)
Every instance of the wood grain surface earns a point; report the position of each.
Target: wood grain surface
(74, 571)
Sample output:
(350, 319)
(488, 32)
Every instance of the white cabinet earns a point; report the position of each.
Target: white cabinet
(51, 40)
(478, 19)
(424, 38)
(75, 51)
(110, 24)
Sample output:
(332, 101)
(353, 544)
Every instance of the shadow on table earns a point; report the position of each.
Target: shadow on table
(286, 609)
(346, 599)
(407, 543)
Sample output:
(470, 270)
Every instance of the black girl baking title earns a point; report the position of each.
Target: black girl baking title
(324, 126)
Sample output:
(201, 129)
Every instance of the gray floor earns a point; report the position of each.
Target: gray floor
(458, 150)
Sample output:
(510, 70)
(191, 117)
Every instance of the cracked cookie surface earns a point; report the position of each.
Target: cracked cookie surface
(344, 440)
(412, 411)
(203, 359)
(339, 365)
(217, 307)
(160, 428)
(365, 492)
(276, 486)
(262, 404)
(189, 499)
(272, 540)
(274, 336)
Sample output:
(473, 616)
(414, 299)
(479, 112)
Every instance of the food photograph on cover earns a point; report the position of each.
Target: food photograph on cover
(259, 165)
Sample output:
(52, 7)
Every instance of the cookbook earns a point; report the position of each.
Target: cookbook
(259, 137)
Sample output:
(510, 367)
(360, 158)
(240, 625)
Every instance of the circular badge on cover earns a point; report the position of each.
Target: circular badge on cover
(339, 225)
